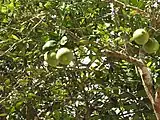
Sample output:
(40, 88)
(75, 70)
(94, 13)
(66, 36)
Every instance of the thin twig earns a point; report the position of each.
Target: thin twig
(142, 12)
(37, 16)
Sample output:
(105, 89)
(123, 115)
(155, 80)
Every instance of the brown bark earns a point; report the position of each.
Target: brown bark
(147, 83)
(157, 103)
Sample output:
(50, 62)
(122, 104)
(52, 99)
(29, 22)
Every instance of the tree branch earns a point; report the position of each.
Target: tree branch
(145, 77)
(157, 102)
(132, 7)
(123, 56)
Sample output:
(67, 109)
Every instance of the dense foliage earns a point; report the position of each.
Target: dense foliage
(93, 86)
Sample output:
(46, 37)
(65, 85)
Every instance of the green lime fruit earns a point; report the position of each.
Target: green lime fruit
(50, 58)
(141, 36)
(48, 45)
(151, 46)
(64, 55)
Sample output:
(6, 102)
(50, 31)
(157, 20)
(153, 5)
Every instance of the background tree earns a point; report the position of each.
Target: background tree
(102, 82)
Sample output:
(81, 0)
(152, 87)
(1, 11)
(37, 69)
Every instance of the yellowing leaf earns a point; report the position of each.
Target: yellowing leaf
(14, 37)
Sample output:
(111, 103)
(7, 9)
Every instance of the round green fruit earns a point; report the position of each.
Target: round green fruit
(64, 56)
(151, 46)
(48, 45)
(50, 58)
(141, 36)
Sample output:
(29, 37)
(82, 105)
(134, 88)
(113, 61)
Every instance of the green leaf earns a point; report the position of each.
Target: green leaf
(4, 9)
(23, 81)
(31, 95)
(11, 6)
(19, 104)
(48, 4)
(1, 88)
(12, 109)
(3, 114)
(7, 82)
(14, 37)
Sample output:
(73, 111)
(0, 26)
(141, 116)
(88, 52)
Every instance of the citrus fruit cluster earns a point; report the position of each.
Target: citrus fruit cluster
(141, 37)
(63, 56)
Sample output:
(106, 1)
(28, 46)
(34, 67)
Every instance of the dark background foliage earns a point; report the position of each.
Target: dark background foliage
(94, 86)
